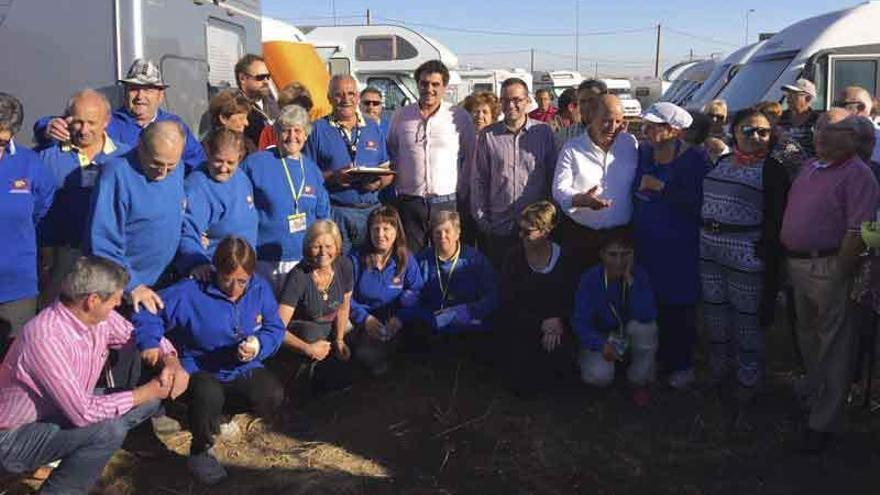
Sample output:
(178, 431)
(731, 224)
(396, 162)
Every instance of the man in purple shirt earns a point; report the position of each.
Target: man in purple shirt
(827, 204)
(49, 408)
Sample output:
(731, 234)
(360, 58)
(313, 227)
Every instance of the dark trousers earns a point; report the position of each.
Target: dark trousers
(13, 316)
(584, 243)
(415, 214)
(496, 247)
(678, 335)
(526, 367)
(352, 224)
(257, 390)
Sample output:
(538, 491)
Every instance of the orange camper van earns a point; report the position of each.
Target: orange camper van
(290, 61)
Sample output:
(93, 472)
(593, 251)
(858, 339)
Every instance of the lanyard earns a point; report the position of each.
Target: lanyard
(444, 288)
(294, 193)
(350, 143)
(614, 312)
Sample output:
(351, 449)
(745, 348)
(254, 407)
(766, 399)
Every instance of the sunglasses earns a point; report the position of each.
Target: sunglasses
(849, 105)
(259, 77)
(371, 103)
(716, 117)
(761, 132)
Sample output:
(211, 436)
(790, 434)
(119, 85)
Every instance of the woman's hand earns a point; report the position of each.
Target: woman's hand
(373, 327)
(393, 326)
(318, 350)
(552, 333)
(342, 349)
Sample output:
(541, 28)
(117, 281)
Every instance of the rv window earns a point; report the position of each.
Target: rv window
(383, 48)
(225, 45)
(483, 87)
(753, 81)
(339, 66)
(392, 95)
(855, 72)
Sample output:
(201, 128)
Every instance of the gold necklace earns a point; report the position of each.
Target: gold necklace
(325, 292)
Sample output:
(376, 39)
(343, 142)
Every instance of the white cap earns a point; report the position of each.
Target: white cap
(668, 113)
(801, 86)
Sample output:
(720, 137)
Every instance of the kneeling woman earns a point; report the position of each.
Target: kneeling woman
(223, 329)
(614, 315)
(386, 279)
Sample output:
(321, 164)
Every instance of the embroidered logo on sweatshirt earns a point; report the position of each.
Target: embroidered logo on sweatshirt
(371, 146)
(20, 186)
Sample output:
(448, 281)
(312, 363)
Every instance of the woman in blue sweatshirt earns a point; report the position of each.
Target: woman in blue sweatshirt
(219, 203)
(386, 278)
(223, 330)
(289, 195)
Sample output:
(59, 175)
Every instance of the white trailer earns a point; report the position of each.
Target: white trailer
(722, 75)
(623, 89)
(557, 81)
(473, 80)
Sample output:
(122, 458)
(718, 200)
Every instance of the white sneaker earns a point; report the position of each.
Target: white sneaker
(206, 468)
(230, 431)
(680, 380)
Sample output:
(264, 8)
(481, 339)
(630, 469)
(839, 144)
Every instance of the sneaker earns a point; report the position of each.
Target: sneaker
(230, 431)
(206, 468)
(681, 380)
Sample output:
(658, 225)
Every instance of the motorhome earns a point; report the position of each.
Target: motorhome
(557, 81)
(623, 89)
(472, 80)
(383, 56)
(722, 75)
(834, 50)
(688, 81)
(195, 43)
(649, 90)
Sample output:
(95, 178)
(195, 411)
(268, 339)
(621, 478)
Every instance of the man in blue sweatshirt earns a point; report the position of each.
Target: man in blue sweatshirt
(137, 210)
(75, 166)
(143, 95)
(339, 142)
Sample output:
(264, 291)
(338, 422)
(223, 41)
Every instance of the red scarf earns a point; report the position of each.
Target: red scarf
(743, 158)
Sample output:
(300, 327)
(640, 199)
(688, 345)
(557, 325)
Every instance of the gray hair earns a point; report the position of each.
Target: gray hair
(92, 275)
(166, 130)
(86, 93)
(293, 116)
(440, 217)
(11, 113)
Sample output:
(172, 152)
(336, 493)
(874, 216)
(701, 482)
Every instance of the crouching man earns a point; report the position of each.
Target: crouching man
(49, 408)
(614, 319)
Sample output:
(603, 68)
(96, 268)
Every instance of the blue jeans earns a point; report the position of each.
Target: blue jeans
(352, 224)
(83, 451)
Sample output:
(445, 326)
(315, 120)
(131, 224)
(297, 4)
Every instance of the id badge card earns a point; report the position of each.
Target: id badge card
(88, 177)
(296, 222)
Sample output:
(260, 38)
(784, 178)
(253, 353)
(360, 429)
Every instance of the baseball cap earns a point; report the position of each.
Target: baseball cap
(668, 113)
(144, 72)
(801, 86)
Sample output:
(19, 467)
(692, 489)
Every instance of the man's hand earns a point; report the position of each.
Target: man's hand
(172, 371)
(342, 349)
(143, 295)
(57, 129)
(342, 177)
(152, 390)
(590, 199)
(150, 357)
(651, 183)
(552, 329)
(202, 273)
(373, 185)
(318, 350)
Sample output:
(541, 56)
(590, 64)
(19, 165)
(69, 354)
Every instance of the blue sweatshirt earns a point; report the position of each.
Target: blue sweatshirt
(214, 210)
(25, 197)
(206, 327)
(378, 293)
(327, 148)
(593, 319)
(123, 129)
(136, 222)
(274, 201)
(473, 282)
(75, 178)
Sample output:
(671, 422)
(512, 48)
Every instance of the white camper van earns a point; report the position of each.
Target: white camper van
(472, 80)
(834, 50)
(722, 75)
(56, 48)
(384, 56)
(623, 89)
(689, 81)
(557, 81)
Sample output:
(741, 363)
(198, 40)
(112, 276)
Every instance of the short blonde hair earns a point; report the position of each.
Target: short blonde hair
(719, 106)
(540, 215)
(319, 228)
(770, 109)
(440, 217)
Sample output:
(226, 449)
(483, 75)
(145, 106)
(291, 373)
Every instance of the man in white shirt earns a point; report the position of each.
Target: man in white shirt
(431, 145)
(593, 180)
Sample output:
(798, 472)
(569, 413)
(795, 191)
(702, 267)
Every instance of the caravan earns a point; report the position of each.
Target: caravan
(557, 81)
(632, 108)
(473, 80)
(722, 75)
(196, 45)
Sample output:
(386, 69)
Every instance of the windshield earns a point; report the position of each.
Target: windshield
(752, 82)
(711, 86)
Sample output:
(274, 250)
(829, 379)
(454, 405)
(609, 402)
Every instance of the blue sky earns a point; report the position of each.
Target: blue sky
(706, 27)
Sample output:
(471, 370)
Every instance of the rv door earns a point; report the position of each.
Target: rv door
(853, 70)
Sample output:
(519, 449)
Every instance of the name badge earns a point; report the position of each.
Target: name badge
(296, 222)
(89, 177)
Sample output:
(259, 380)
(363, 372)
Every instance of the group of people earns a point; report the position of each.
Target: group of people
(222, 270)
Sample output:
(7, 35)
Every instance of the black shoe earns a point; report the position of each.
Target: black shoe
(814, 442)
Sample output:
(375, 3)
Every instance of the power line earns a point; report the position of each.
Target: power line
(513, 33)
(699, 37)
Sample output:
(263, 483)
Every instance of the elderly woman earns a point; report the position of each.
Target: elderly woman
(460, 293)
(315, 304)
(229, 110)
(483, 107)
(716, 110)
(289, 195)
(29, 188)
(386, 278)
(292, 94)
(740, 252)
(219, 203)
(537, 281)
(223, 329)
(666, 220)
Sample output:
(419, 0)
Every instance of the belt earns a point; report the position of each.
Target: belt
(432, 199)
(717, 227)
(808, 255)
(359, 206)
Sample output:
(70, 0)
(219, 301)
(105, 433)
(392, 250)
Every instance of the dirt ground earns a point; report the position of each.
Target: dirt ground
(448, 426)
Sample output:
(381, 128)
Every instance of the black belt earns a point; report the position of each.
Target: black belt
(717, 227)
(432, 199)
(808, 255)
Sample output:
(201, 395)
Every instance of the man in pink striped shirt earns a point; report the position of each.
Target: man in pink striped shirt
(49, 408)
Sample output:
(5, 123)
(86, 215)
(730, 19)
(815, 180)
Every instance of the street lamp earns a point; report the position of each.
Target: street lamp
(748, 12)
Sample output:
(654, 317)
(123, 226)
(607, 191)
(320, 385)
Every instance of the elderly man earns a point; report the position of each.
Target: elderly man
(827, 204)
(545, 111)
(593, 179)
(338, 144)
(144, 93)
(253, 79)
(431, 144)
(857, 101)
(799, 119)
(372, 108)
(513, 168)
(75, 165)
(137, 214)
(49, 408)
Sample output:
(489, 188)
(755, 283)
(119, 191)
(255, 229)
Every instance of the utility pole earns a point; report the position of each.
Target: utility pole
(748, 12)
(691, 55)
(369, 17)
(596, 73)
(333, 11)
(657, 54)
(577, 34)
(531, 60)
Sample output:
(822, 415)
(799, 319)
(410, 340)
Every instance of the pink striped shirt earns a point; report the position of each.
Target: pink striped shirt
(51, 370)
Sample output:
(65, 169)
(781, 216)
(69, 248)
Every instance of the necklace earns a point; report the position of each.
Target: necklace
(325, 291)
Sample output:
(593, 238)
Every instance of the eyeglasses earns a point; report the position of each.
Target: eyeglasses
(259, 77)
(761, 132)
(716, 117)
(857, 106)
(515, 101)
(371, 103)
